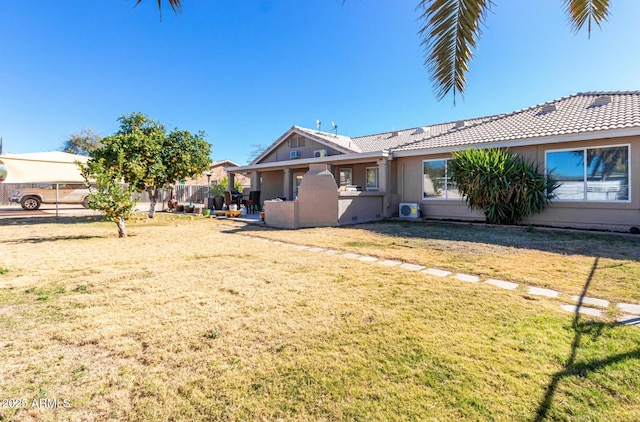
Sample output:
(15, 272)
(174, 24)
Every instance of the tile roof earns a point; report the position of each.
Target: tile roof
(340, 141)
(576, 114)
(582, 113)
(394, 139)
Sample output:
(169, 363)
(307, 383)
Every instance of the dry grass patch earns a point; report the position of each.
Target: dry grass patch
(556, 259)
(186, 320)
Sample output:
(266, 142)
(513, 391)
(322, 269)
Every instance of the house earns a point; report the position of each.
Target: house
(589, 142)
(218, 173)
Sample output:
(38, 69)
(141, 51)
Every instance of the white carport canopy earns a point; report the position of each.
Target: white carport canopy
(42, 167)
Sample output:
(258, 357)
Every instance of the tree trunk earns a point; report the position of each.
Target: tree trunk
(122, 232)
(153, 198)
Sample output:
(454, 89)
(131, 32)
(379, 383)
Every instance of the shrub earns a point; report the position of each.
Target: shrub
(504, 186)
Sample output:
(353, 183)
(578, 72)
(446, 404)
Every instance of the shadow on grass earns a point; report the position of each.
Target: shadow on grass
(49, 239)
(27, 221)
(580, 369)
(570, 242)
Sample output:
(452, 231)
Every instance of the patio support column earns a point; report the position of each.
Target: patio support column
(287, 184)
(255, 181)
(383, 185)
(231, 181)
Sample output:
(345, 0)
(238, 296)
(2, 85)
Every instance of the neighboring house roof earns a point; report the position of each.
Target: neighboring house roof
(228, 163)
(585, 114)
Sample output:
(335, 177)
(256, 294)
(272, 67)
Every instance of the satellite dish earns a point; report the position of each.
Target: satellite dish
(335, 128)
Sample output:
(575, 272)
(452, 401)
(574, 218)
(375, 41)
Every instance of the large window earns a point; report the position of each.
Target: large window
(436, 180)
(372, 178)
(591, 174)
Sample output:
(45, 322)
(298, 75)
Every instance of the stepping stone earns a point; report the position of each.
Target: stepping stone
(630, 308)
(316, 249)
(351, 255)
(437, 272)
(542, 292)
(411, 267)
(582, 310)
(591, 301)
(367, 259)
(629, 320)
(390, 263)
(277, 242)
(301, 247)
(331, 252)
(502, 284)
(468, 278)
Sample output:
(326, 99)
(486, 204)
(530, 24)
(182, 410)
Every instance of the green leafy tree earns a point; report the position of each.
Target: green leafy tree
(504, 186)
(149, 159)
(82, 143)
(107, 194)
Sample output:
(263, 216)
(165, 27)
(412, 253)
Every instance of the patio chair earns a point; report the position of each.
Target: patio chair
(254, 199)
(228, 200)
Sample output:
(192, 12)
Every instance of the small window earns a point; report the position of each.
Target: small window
(296, 142)
(345, 177)
(372, 178)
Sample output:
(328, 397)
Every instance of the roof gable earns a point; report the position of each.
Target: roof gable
(341, 143)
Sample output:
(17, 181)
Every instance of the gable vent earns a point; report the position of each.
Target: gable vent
(601, 100)
(548, 108)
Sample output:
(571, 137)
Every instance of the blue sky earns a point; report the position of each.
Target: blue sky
(245, 71)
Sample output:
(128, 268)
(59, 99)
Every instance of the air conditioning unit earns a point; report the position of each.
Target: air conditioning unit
(409, 210)
(294, 154)
(319, 153)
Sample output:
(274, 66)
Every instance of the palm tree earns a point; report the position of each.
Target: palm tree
(176, 5)
(452, 28)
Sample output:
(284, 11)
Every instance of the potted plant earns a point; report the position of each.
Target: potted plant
(206, 212)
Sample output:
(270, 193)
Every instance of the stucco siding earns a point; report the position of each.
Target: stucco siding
(282, 152)
(609, 215)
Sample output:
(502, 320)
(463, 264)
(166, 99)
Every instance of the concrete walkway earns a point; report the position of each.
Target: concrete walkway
(589, 306)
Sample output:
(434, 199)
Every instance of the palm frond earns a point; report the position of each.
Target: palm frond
(176, 6)
(450, 33)
(581, 11)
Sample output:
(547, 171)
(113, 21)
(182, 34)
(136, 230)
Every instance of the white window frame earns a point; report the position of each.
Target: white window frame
(366, 178)
(585, 172)
(445, 195)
